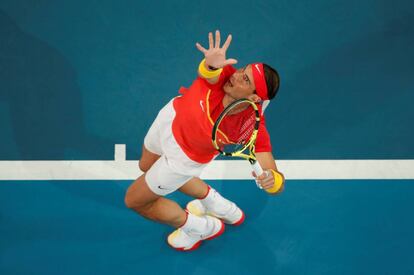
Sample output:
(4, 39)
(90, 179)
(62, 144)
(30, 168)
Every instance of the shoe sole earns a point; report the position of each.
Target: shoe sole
(239, 222)
(197, 244)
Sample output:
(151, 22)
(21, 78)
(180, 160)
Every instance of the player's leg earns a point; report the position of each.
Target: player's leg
(142, 200)
(152, 145)
(147, 159)
(209, 201)
(145, 196)
(196, 188)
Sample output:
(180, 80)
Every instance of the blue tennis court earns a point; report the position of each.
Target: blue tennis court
(78, 77)
(316, 227)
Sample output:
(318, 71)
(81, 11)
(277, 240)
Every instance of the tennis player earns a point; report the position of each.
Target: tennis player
(178, 147)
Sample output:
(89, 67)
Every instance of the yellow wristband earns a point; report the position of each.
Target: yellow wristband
(206, 73)
(279, 179)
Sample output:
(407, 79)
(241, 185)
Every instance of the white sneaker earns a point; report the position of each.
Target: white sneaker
(187, 240)
(227, 211)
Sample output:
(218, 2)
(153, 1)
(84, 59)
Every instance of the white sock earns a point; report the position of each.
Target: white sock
(195, 224)
(215, 202)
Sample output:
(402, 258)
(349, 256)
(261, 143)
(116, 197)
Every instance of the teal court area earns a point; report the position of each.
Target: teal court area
(315, 227)
(77, 77)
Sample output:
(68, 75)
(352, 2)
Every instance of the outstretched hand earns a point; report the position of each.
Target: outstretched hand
(214, 55)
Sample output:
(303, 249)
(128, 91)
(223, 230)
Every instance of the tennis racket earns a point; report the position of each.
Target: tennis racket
(235, 132)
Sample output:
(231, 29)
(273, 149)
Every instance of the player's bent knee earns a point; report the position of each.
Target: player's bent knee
(133, 203)
(128, 201)
(135, 198)
(143, 208)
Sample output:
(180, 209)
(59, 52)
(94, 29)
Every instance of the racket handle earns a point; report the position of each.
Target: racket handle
(257, 168)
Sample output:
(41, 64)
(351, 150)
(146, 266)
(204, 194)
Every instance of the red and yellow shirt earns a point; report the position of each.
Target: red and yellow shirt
(197, 109)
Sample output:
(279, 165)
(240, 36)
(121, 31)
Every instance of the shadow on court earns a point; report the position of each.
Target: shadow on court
(44, 101)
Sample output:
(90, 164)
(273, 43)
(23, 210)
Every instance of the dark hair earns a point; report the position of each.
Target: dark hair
(272, 81)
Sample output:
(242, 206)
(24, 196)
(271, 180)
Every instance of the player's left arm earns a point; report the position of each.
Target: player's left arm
(268, 163)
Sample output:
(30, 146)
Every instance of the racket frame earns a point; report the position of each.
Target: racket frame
(251, 156)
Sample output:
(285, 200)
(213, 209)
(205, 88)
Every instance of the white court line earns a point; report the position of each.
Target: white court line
(121, 169)
(120, 152)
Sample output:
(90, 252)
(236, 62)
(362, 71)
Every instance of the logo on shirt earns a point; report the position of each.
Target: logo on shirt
(201, 104)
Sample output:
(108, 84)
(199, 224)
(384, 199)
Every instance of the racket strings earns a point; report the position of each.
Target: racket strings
(247, 129)
(237, 129)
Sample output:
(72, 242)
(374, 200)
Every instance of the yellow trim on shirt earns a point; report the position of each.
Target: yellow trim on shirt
(210, 119)
(208, 107)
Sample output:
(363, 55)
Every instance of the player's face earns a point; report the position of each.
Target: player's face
(240, 84)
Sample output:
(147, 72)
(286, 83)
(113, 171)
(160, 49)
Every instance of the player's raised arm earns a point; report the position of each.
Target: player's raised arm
(214, 58)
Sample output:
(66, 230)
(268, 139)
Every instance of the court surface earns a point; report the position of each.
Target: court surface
(316, 227)
(78, 77)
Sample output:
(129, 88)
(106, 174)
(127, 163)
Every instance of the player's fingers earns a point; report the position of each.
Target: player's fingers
(230, 61)
(210, 40)
(200, 48)
(263, 176)
(258, 185)
(267, 185)
(217, 39)
(266, 178)
(227, 42)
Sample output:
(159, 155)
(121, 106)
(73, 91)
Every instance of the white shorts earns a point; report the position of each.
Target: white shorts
(174, 168)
